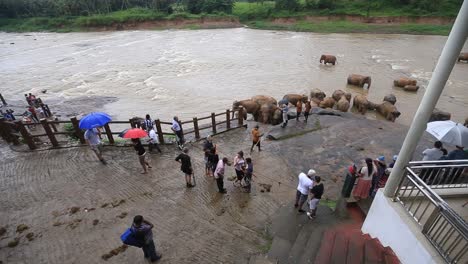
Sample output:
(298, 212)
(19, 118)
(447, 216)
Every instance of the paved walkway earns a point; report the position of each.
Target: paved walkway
(191, 225)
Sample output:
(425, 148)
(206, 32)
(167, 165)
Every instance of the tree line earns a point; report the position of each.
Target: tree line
(56, 8)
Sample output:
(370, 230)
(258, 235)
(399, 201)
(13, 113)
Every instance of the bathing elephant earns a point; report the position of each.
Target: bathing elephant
(391, 98)
(139, 122)
(438, 115)
(402, 82)
(337, 94)
(294, 98)
(463, 56)
(411, 88)
(361, 103)
(328, 59)
(359, 80)
(250, 107)
(270, 114)
(328, 102)
(317, 94)
(264, 99)
(343, 104)
(388, 110)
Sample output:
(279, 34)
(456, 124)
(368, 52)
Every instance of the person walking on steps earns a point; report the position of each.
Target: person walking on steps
(307, 110)
(186, 167)
(303, 189)
(256, 138)
(153, 142)
(298, 110)
(315, 196)
(92, 137)
(219, 174)
(178, 131)
(143, 230)
(141, 152)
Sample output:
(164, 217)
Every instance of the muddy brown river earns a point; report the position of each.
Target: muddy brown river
(196, 72)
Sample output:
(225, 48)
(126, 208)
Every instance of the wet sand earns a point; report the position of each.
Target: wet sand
(49, 190)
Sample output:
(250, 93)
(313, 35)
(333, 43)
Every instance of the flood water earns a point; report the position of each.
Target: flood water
(196, 72)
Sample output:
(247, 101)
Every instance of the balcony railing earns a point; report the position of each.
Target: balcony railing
(443, 227)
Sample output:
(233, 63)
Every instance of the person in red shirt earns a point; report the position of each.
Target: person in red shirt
(33, 112)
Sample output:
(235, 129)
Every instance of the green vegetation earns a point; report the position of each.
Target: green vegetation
(76, 15)
(329, 203)
(70, 129)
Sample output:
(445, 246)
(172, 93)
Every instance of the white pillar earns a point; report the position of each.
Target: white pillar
(442, 71)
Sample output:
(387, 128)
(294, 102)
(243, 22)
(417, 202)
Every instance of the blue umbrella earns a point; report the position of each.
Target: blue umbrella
(95, 119)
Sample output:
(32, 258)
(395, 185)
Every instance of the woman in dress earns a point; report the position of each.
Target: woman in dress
(365, 174)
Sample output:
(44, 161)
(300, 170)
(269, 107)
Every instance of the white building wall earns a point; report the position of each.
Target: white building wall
(390, 223)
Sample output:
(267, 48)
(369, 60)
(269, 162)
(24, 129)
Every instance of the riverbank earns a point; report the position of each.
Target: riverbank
(253, 15)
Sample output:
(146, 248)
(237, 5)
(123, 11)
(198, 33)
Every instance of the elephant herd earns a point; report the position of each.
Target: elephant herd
(266, 109)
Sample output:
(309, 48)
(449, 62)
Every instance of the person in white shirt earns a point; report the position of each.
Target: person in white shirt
(303, 188)
(434, 153)
(177, 130)
(153, 142)
(219, 174)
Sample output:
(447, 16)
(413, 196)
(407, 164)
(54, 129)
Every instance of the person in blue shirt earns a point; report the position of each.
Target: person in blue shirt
(143, 230)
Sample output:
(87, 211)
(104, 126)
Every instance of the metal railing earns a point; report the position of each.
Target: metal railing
(443, 227)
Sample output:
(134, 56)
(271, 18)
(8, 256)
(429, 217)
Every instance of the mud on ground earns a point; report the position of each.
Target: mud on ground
(76, 208)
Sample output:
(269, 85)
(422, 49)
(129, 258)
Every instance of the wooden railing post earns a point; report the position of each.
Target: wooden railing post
(157, 122)
(78, 132)
(48, 111)
(54, 128)
(228, 119)
(195, 128)
(3, 100)
(132, 124)
(49, 132)
(25, 134)
(240, 117)
(213, 122)
(109, 133)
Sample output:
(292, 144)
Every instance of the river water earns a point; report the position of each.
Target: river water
(196, 72)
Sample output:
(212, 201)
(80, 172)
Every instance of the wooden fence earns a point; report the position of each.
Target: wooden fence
(18, 132)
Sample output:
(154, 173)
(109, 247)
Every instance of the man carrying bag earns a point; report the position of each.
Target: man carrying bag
(140, 235)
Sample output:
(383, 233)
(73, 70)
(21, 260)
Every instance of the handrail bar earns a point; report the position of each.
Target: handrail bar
(440, 162)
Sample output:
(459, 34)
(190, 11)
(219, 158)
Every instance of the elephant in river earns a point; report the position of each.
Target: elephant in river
(328, 102)
(391, 98)
(337, 94)
(463, 57)
(361, 103)
(343, 104)
(388, 110)
(294, 98)
(359, 80)
(411, 88)
(328, 59)
(139, 122)
(270, 114)
(402, 82)
(249, 105)
(264, 99)
(317, 94)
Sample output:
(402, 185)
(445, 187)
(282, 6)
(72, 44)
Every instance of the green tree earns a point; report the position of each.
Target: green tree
(290, 5)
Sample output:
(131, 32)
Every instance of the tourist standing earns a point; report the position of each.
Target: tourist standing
(239, 166)
(213, 159)
(32, 110)
(186, 166)
(350, 179)
(307, 110)
(298, 110)
(141, 152)
(434, 153)
(92, 137)
(284, 109)
(207, 147)
(248, 175)
(315, 196)
(256, 138)
(380, 167)
(303, 188)
(153, 142)
(178, 131)
(366, 173)
(457, 154)
(219, 174)
(143, 230)
(148, 123)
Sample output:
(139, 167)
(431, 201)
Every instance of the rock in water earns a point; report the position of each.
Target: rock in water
(438, 115)
(21, 228)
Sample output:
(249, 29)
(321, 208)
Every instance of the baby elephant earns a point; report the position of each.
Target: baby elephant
(328, 102)
(328, 59)
(388, 110)
(402, 82)
(359, 80)
(411, 88)
(361, 103)
(343, 104)
(463, 57)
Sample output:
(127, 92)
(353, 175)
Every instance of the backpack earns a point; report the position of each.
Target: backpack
(130, 238)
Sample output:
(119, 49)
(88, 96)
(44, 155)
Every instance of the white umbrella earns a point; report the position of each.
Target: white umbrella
(449, 132)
